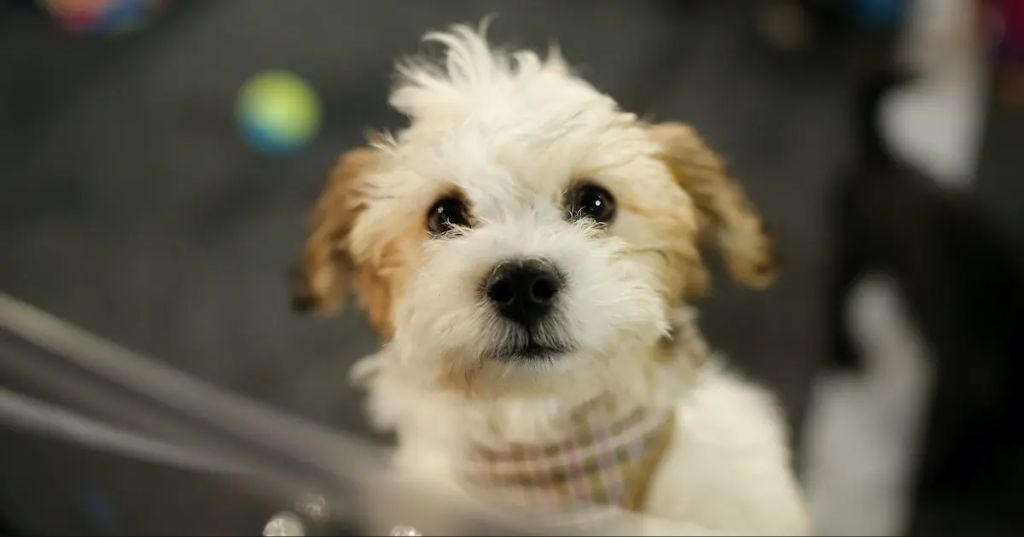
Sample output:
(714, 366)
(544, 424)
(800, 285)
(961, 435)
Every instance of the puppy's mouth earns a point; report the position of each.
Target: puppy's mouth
(535, 351)
(530, 348)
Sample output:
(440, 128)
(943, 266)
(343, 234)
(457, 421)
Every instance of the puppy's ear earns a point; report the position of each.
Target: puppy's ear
(725, 217)
(323, 273)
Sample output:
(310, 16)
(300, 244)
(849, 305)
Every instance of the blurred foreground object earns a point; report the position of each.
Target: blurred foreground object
(115, 443)
(278, 112)
(102, 17)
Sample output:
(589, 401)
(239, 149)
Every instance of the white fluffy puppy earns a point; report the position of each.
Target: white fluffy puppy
(526, 249)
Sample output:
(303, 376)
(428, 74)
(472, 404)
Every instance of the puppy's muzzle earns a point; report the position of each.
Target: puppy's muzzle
(524, 290)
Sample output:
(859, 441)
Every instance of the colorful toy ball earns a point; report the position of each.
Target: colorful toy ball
(278, 112)
(102, 17)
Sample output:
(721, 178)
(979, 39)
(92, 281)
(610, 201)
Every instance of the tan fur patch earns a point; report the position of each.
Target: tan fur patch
(329, 264)
(382, 279)
(459, 380)
(725, 216)
(323, 273)
(682, 269)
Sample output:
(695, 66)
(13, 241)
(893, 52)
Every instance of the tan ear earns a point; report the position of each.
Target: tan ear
(323, 274)
(725, 217)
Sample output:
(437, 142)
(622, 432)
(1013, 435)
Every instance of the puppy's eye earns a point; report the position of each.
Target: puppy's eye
(590, 201)
(447, 213)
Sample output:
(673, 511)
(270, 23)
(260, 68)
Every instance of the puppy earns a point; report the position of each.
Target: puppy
(527, 251)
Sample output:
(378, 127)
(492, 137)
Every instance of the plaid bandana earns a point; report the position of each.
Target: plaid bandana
(607, 459)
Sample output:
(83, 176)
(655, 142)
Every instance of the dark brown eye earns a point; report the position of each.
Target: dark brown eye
(590, 201)
(446, 214)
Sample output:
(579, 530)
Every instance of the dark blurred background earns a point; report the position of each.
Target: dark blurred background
(131, 205)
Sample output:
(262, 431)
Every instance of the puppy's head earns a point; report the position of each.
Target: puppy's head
(522, 224)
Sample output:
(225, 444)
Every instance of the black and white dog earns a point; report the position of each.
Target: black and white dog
(963, 287)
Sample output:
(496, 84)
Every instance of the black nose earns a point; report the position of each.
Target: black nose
(523, 291)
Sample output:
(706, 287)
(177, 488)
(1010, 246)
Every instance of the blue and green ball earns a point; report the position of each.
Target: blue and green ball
(278, 112)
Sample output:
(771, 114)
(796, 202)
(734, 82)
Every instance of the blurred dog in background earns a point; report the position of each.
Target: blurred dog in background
(964, 288)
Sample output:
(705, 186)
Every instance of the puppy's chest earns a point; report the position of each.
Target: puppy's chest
(607, 457)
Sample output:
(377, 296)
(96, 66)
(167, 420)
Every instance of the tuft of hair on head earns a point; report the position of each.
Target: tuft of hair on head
(469, 67)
